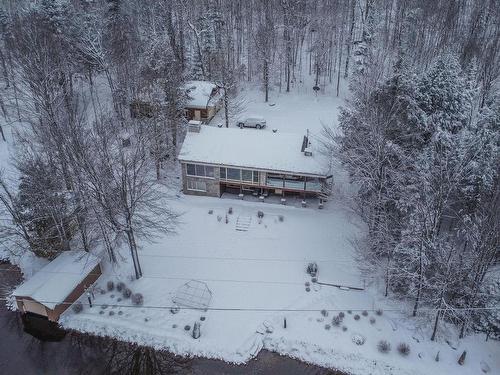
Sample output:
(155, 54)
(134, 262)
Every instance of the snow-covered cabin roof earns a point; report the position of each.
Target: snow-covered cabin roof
(250, 148)
(55, 281)
(199, 93)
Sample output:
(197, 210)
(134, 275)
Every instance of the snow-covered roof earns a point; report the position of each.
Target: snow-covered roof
(199, 93)
(55, 281)
(250, 148)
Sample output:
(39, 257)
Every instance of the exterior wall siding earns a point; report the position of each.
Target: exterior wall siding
(212, 184)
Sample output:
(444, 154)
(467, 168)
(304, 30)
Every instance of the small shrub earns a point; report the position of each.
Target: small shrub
(230, 211)
(364, 313)
(336, 321)
(77, 307)
(356, 317)
(281, 218)
(219, 218)
(101, 312)
(120, 286)
(349, 311)
(175, 309)
(119, 299)
(308, 289)
(202, 318)
(314, 279)
(328, 326)
(210, 212)
(126, 293)
(307, 283)
(120, 312)
(379, 312)
(187, 327)
(112, 296)
(104, 306)
(324, 313)
(110, 285)
(383, 346)
(403, 349)
(137, 299)
(372, 320)
(174, 325)
(260, 214)
(111, 313)
(341, 315)
(344, 328)
(358, 339)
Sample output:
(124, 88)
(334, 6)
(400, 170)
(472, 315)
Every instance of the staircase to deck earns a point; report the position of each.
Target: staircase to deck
(243, 223)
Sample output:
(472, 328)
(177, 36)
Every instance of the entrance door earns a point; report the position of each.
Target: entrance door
(197, 114)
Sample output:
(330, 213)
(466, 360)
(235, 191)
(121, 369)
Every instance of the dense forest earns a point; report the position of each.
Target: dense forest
(418, 135)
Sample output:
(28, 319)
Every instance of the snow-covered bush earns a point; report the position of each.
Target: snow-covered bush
(111, 313)
(260, 214)
(77, 307)
(120, 286)
(210, 212)
(137, 299)
(327, 326)
(344, 328)
(372, 320)
(175, 309)
(358, 339)
(187, 327)
(341, 315)
(356, 317)
(379, 312)
(336, 321)
(349, 311)
(403, 349)
(219, 218)
(324, 313)
(110, 285)
(281, 218)
(126, 293)
(312, 269)
(196, 330)
(364, 313)
(383, 346)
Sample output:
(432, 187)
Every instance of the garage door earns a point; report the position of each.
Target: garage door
(34, 307)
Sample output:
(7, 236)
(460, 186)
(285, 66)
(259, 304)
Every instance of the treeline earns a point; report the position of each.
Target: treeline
(420, 138)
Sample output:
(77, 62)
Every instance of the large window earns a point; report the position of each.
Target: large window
(246, 175)
(196, 185)
(199, 170)
(233, 174)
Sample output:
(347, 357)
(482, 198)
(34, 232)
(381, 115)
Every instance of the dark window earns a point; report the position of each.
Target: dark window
(200, 170)
(233, 174)
(190, 169)
(223, 173)
(246, 175)
(256, 177)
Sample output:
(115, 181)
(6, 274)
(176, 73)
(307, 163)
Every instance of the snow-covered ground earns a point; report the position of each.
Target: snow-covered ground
(257, 278)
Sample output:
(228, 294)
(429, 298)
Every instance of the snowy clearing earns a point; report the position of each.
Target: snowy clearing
(263, 269)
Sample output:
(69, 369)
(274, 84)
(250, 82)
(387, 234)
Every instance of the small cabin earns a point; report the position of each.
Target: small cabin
(204, 99)
(52, 290)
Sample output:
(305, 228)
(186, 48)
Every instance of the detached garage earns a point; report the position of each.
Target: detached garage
(57, 285)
